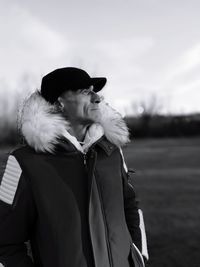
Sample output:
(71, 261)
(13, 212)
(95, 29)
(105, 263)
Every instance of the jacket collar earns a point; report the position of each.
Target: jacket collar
(66, 146)
(107, 146)
(42, 126)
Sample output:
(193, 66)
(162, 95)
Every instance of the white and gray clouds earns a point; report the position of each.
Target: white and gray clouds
(142, 47)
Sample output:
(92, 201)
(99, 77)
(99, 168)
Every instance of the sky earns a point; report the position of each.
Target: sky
(149, 50)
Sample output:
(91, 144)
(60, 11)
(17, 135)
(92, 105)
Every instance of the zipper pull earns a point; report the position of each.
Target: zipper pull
(84, 158)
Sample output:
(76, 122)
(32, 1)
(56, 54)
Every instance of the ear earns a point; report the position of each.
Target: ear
(60, 102)
(60, 99)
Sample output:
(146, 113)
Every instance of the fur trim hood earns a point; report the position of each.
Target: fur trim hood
(42, 126)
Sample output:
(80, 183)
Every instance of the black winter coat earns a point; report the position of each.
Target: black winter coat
(76, 209)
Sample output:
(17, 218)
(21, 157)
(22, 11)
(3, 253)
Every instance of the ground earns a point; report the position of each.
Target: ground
(167, 181)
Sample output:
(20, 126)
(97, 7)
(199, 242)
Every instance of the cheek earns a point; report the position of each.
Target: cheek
(81, 109)
(81, 106)
(86, 108)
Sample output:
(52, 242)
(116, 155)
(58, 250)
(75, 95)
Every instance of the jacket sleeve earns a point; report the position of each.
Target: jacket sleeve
(17, 215)
(133, 214)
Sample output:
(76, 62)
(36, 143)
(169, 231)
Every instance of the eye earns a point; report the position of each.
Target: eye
(85, 91)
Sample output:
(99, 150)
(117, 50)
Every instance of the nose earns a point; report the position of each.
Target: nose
(95, 98)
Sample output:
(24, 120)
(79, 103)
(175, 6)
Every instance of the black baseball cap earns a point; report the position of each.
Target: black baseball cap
(69, 78)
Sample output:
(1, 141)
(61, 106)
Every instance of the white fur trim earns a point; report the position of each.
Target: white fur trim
(42, 126)
(115, 128)
(10, 180)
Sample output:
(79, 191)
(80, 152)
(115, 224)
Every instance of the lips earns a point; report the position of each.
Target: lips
(95, 108)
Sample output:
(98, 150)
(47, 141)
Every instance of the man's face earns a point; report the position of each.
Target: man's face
(81, 106)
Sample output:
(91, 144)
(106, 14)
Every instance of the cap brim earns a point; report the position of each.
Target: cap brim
(98, 83)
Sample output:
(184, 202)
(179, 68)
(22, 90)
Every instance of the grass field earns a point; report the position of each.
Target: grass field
(167, 180)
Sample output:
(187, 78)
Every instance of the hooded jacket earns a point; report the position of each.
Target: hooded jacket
(73, 203)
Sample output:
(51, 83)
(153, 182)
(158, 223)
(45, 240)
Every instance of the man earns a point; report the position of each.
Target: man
(68, 190)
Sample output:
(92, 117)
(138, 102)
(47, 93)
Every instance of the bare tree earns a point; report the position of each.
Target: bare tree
(148, 107)
(145, 110)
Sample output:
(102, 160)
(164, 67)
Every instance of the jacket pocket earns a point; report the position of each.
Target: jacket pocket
(135, 257)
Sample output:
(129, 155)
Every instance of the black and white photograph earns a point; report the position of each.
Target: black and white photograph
(99, 133)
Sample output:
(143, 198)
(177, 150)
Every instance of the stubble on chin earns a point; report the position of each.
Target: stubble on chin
(95, 115)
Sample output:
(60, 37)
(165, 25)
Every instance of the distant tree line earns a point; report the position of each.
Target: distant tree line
(148, 125)
(140, 127)
(9, 134)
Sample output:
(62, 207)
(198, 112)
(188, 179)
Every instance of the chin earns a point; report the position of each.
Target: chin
(95, 116)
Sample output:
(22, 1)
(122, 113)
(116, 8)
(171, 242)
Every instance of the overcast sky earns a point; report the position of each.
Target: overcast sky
(146, 48)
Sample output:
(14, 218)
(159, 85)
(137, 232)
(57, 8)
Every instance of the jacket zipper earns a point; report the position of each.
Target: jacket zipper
(85, 164)
(103, 213)
(84, 159)
(105, 225)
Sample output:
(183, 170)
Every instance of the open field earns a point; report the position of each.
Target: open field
(167, 180)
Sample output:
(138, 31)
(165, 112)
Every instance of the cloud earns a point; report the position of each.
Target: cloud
(137, 61)
(186, 63)
(30, 48)
(118, 60)
(129, 48)
(27, 45)
(181, 81)
(123, 57)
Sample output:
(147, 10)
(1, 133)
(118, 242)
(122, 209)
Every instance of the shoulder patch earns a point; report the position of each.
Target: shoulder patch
(10, 180)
